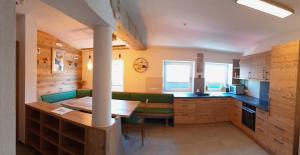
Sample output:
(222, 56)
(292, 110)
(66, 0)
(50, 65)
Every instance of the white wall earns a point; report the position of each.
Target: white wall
(136, 82)
(7, 77)
(27, 71)
(267, 44)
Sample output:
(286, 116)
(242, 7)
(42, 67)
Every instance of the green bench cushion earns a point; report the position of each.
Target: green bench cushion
(133, 119)
(121, 96)
(84, 93)
(52, 98)
(154, 111)
(153, 98)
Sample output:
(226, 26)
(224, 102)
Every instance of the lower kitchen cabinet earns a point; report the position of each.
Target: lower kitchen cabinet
(199, 111)
(261, 128)
(236, 114)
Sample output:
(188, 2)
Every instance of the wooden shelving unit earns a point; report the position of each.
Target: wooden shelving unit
(68, 134)
(52, 136)
(73, 132)
(236, 71)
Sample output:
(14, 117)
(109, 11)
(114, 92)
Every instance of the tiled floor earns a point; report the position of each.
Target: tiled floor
(214, 139)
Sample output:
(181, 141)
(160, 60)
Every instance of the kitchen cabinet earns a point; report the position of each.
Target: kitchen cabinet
(255, 67)
(236, 114)
(184, 111)
(245, 67)
(283, 115)
(261, 128)
(199, 111)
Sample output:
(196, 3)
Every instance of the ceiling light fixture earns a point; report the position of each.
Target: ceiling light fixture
(268, 6)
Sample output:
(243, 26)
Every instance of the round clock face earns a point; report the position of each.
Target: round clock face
(140, 65)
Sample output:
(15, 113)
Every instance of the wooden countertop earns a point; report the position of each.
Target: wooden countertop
(77, 117)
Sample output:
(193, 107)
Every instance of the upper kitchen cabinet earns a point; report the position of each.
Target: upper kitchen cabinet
(256, 67)
(245, 67)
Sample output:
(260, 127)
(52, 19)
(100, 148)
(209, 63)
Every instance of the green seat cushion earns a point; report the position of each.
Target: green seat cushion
(84, 93)
(52, 98)
(153, 98)
(154, 111)
(120, 95)
(133, 119)
(138, 97)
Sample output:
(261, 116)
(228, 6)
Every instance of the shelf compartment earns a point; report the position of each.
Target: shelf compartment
(50, 136)
(71, 146)
(73, 132)
(63, 152)
(33, 114)
(50, 122)
(33, 140)
(48, 148)
(33, 127)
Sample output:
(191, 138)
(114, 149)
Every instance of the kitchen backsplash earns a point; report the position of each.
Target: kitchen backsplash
(253, 88)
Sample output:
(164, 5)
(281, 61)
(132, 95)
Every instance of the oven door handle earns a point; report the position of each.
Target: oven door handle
(249, 110)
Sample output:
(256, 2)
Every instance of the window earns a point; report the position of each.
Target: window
(117, 75)
(178, 76)
(217, 76)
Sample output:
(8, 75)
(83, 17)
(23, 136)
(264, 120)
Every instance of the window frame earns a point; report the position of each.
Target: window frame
(191, 79)
(228, 77)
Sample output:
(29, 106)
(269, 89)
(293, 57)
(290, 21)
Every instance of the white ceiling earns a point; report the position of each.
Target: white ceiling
(214, 24)
(56, 23)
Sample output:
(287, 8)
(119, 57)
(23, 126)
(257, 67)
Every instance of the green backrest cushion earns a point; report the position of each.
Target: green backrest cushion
(153, 98)
(121, 96)
(52, 98)
(84, 93)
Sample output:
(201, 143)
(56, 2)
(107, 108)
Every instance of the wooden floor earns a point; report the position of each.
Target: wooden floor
(214, 139)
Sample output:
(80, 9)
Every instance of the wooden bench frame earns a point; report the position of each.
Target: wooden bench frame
(148, 105)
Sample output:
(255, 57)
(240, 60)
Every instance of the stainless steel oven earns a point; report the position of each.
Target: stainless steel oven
(248, 115)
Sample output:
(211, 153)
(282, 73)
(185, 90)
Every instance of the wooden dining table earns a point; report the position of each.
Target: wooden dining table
(122, 108)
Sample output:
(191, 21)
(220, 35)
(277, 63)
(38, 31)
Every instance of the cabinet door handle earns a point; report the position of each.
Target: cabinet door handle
(269, 106)
(261, 119)
(277, 127)
(185, 105)
(261, 130)
(278, 141)
(267, 74)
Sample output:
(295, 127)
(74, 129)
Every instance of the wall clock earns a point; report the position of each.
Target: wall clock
(140, 65)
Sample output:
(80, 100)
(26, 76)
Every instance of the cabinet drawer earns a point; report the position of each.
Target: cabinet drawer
(280, 146)
(185, 101)
(184, 118)
(184, 107)
(261, 136)
(261, 113)
(280, 129)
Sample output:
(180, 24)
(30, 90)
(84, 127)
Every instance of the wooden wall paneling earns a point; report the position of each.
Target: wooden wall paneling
(48, 82)
(282, 126)
(245, 65)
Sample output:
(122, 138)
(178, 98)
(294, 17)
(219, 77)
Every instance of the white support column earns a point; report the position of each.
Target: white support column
(102, 76)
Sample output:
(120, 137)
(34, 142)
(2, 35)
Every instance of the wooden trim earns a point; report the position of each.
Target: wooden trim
(275, 3)
(297, 113)
(280, 5)
(156, 105)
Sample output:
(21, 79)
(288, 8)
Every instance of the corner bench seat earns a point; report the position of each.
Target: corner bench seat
(157, 106)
